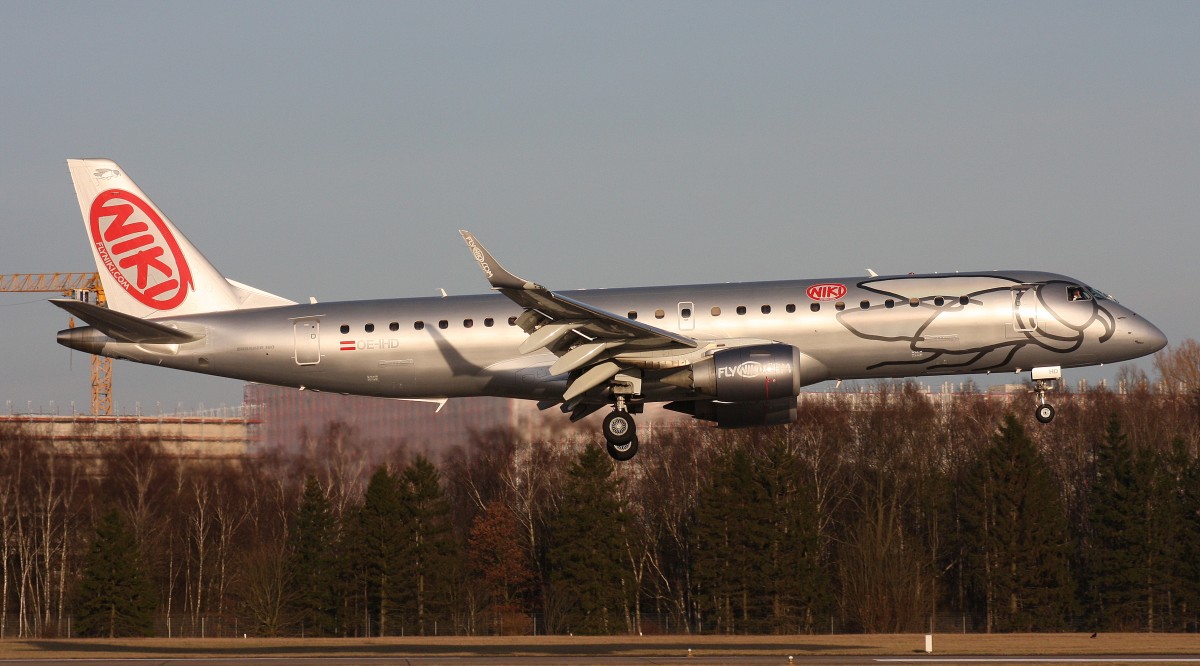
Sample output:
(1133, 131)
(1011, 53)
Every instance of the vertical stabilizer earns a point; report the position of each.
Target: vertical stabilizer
(147, 267)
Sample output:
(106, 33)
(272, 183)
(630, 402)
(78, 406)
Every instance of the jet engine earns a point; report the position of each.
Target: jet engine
(779, 411)
(744, 374)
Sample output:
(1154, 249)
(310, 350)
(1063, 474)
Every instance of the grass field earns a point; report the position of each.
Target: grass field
(630, 646)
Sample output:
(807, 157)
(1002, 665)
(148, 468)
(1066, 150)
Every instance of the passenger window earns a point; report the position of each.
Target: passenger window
(443, 324)
(963, 300)
(394, 326)
(632, 314)
(815, 307)
(418, 325)
(791, 307)
(766, 309)
(468, 323)
(512, 321)
(864, 304)
(716, 311)
(839, 306)
(369, 328)
(659, 314)
(488, 322)
(685, 313)
(914, 302)
(939, 301)
(741, 309)
(889, 304)
(344, 329)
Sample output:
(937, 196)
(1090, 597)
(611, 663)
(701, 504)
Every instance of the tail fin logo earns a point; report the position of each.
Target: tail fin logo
(137, 247)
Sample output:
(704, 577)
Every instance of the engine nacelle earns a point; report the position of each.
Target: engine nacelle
(779, 411)
(748, 374)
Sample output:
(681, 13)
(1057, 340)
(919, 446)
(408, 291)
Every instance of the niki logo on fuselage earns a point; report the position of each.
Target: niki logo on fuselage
(828, 291)
(139, 250)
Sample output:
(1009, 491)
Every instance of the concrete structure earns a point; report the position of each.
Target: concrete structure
(197, 437)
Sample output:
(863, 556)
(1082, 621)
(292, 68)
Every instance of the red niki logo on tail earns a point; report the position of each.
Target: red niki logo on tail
(138, 248)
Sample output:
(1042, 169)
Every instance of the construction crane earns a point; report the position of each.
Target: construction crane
(75, 285)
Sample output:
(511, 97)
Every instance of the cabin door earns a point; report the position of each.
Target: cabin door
(308, 341)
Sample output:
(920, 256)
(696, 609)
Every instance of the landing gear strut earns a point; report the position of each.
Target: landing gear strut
(1045, 379)
(620, 432)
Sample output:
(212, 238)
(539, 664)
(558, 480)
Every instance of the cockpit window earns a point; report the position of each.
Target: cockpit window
(1086, 293)
(1078, 293)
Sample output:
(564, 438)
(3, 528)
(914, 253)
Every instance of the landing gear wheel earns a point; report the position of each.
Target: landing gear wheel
(1044, 413)
(619, 428)
(623, 452)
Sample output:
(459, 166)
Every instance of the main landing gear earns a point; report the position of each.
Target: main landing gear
(1045, 379)
(620, 432)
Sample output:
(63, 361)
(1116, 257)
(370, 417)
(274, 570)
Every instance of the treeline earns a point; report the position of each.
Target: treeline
(879, 511)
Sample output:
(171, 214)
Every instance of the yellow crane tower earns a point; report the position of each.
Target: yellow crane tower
(72, 284)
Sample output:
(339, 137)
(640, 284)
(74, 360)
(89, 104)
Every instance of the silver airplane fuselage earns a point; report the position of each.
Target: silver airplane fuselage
(881, 327)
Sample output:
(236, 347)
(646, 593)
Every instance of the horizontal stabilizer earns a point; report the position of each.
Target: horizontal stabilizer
(121, 326)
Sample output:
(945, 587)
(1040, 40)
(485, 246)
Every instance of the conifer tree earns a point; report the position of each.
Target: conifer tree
(586, 543)
(430, 563)
(1115, 545)
(311, 563)
(374, 549)
(115, 596)
(1138, 534)
(732, 544)
(1013, 514)
(795, 581)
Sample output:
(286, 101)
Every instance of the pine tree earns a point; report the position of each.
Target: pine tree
(585, 549)
(796, 583)
(311, 563)
(1116, 548)
(115, 597)
(732, 545)
(430, 565)
(1012, 512)
(374, 550)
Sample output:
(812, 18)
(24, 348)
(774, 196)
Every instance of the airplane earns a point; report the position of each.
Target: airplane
(734, 354)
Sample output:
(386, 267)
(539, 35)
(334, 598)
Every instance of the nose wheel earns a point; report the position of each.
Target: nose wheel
(1044, 379)
(1044, 413)
(620, 435)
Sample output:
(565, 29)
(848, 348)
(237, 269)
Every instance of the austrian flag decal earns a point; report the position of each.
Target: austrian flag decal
(348, 345)
(138, 248)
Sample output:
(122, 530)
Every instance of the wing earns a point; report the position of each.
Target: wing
(582, 336)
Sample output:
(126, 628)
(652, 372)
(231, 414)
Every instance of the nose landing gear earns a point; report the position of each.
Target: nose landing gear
(1045, 379)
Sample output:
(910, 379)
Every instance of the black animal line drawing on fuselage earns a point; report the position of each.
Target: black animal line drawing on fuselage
(1035, 332)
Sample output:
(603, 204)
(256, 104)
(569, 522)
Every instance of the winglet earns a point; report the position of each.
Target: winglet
(496, 275)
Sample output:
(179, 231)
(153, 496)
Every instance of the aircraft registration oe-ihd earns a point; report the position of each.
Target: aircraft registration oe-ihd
(733, 354)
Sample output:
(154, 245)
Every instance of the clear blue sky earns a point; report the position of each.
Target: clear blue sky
(333, 149)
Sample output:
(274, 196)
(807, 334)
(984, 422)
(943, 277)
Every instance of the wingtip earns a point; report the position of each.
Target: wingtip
(496, 275)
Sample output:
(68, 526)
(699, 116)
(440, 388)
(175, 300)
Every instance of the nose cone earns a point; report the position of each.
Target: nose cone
(1150, 336)
(1142, 337)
